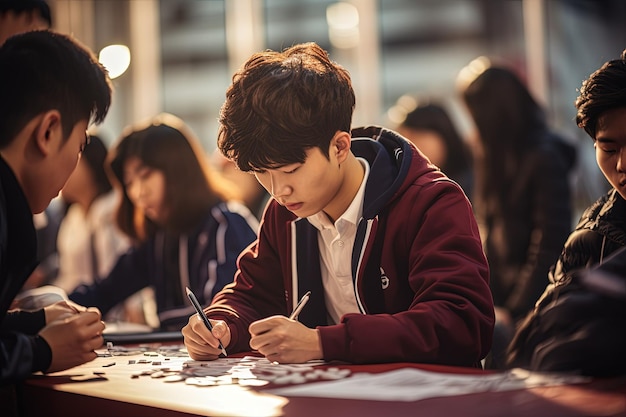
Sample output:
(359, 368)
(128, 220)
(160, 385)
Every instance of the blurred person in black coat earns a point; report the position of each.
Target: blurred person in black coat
(523, 192)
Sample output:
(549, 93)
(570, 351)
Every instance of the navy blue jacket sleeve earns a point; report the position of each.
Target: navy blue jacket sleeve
(239, 235)
(129, 275)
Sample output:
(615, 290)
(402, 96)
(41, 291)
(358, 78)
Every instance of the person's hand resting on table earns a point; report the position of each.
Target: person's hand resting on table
(72, 334)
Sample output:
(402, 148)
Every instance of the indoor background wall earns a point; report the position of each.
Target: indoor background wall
(183, 52)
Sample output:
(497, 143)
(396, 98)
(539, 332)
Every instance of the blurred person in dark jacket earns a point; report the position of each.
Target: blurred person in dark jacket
(429, 126)
(522, 197)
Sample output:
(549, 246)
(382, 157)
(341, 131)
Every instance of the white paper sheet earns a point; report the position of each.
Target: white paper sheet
(412, 384)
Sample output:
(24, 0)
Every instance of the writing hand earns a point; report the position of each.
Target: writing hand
(284, 340)
(201, 344)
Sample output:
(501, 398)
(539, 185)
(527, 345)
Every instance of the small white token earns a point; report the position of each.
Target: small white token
(173, 378)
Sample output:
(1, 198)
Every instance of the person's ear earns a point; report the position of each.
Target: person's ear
(341, 145)
(49, 133)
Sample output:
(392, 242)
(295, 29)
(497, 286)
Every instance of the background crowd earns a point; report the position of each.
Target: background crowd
(153, 211)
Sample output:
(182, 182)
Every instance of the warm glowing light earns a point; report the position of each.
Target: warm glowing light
(116, 59)
(404, 105)
(409, 103)
(396, 114)
(342, 16)
(343, 25)
(472, 70)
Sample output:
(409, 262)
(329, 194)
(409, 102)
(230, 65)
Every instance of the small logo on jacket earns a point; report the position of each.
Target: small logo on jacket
(384, 279)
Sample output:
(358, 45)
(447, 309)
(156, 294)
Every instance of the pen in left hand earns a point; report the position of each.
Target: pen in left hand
(205, 319)
(300, 305)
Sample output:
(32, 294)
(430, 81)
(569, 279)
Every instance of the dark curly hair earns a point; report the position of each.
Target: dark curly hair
(280, 104)
(604, 90)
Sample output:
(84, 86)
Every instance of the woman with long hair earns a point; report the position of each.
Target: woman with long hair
(523, 192)
(187, 226)
(429, 126)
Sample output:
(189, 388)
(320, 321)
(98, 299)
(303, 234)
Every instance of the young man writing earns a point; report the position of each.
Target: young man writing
(386, 243)
(50, 89)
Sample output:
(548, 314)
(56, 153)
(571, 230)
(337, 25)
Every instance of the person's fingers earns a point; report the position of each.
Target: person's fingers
(219, 329)
(265, 325)
(194, 338)
(201, 344)
(94, 343)
(267, 341)
(90, 317)
(200, 350)
(77, 307)
(95, 327)
(94, 310)
(201, 355)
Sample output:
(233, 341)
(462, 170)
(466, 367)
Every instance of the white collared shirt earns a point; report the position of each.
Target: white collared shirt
(335, 244)
(85, 234)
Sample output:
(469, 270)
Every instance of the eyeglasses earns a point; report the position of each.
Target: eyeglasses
(85, 143)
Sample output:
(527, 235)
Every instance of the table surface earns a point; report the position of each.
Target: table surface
(111, 386)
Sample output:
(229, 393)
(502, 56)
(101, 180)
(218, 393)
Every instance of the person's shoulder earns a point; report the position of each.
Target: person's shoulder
(106, 203)
(432, 181)
(554, 148)
(74, 220)
(430, 190)
(602, 207)
(580, 243)
(599, 220)
(233, 211)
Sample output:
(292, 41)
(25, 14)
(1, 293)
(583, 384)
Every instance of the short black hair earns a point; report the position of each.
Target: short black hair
(19, 6)
(604, 90)
(44, 70)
